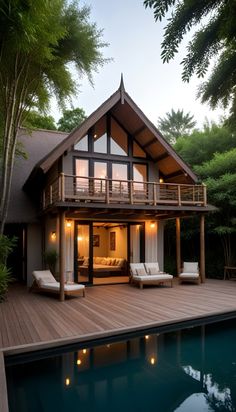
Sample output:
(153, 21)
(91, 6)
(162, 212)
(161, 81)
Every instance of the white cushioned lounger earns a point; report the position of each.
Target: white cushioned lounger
(45, 281)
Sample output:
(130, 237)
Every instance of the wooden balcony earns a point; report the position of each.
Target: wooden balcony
(71, 188)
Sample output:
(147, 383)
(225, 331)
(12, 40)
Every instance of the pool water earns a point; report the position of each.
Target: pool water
(187, 370)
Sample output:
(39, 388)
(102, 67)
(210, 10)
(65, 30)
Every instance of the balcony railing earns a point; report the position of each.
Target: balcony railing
(71, 188)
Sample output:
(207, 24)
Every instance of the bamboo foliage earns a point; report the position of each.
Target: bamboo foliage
(39, 40)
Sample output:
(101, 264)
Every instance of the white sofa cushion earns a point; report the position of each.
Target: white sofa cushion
(43, 276)
(189, 275)
(153, 277)
(190, 267)
(141, 272)
(152, 265)
(67, 288)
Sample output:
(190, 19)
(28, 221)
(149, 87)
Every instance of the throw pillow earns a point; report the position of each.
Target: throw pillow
(153, 271)
(141, 272)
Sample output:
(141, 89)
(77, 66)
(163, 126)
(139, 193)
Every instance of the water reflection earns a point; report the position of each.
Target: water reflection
(188, 370)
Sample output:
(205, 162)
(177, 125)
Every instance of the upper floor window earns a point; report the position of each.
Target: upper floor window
(138, 151)
(82, 144)
(119, 140)
(100, 136)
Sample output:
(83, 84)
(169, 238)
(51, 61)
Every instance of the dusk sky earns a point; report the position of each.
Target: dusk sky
(135, 45)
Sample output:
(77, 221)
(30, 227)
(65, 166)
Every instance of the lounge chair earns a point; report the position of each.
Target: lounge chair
(190, 273)
(148, 274)
(44, 281)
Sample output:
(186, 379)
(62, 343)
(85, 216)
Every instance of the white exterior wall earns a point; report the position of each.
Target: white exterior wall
(154, 243)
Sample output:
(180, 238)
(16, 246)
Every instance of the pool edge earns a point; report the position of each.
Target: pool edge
(3, 385)
(123, 332)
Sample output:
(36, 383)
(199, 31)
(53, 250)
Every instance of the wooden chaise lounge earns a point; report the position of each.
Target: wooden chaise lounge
(148, 274)
(44, 281)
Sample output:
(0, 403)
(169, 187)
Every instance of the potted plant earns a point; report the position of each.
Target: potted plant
(50, 258)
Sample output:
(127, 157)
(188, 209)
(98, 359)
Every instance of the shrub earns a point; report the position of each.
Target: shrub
(6, 247)
(5, 279)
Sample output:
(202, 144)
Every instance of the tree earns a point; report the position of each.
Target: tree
(175, 125)
(214, 38)
(35, 120)
(212, 155)
(71, 119)
(40, 41)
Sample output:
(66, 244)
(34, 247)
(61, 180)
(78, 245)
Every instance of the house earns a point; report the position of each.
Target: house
(101, 195)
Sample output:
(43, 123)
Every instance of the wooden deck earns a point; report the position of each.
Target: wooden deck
(29, 321)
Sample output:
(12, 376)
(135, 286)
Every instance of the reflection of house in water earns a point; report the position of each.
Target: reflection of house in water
(186, 370)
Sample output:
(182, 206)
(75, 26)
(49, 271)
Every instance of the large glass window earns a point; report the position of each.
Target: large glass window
(82, 170)
(82, 144)
(119, 178)
(100, 173)
(100, 136)
(139, 175)
(119, 140)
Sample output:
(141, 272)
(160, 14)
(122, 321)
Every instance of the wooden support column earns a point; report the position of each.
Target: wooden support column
(62, 254)
(178, 247)
(202, 248)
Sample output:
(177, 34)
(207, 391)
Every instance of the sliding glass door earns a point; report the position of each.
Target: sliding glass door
(83, 253)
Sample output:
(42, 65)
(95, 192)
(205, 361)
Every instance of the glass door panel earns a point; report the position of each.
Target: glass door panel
(82, 170)
(119, 179)
(83, 261)
(140, 186)
(100, 174)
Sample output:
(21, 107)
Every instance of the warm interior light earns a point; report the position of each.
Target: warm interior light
(152, 225)
(146, 337)
(152, 361)
(161, 180)
(67, 381)
(68, 223)
(95, 136)
(79, 238)
(53, 236)
(84, 351)
(79, 362)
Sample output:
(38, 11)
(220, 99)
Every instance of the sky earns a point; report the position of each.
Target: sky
(135, 46)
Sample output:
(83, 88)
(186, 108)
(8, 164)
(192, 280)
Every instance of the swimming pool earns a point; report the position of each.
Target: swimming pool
(192, 369)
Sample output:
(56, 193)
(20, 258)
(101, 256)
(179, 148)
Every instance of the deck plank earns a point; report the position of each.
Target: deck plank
(29, 319)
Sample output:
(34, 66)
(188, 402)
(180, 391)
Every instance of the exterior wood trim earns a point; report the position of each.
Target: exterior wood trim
(162, 157)
(202, 248)
(159, 137)
(47, 162)
(178, 246)
(62, 254)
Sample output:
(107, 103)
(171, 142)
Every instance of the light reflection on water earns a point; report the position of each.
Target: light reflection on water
(189, 370)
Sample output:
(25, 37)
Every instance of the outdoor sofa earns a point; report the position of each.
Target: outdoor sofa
(190, 273)
(148, 274)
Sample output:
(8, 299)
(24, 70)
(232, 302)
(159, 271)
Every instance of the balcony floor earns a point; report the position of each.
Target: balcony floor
(29, 321)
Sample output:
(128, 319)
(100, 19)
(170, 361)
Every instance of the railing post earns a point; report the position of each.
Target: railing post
(131, 192)
(204, 195)
(62, 187)
(154, 194)
(107, 191)
(179, 195)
